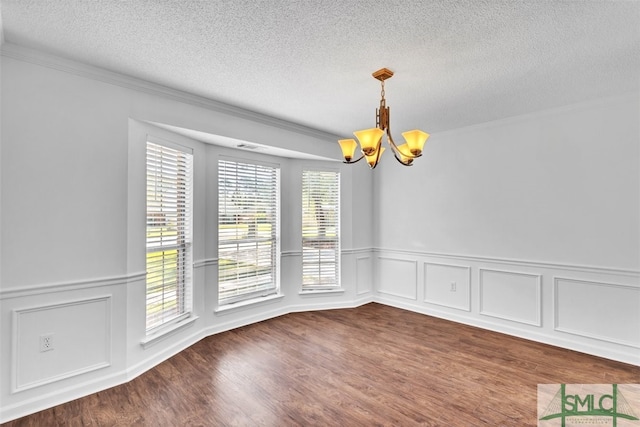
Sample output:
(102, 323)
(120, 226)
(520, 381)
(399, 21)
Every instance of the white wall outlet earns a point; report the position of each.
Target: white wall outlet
(453, 287)
(46, 342)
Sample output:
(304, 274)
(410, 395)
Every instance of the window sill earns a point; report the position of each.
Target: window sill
(321, 291)
(166, 332)
(227, 308)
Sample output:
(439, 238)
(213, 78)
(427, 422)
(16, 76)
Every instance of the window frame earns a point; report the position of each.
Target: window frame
(273, 290)
(183, 239)
(336, 283)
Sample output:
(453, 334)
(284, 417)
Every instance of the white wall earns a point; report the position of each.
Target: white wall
(73, 201)
(558, 186)
(536, 219)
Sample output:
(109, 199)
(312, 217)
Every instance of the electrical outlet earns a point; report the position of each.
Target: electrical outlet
(453, 287)
(46, 343)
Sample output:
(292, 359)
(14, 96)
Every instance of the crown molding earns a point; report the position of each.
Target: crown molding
(58, 63)
(631, 95)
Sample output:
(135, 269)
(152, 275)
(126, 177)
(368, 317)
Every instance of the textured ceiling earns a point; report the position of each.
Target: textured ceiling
(456, 63)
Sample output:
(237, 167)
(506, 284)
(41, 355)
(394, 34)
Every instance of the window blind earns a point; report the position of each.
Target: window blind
(169, 240)
(320, 229)
(248, 235)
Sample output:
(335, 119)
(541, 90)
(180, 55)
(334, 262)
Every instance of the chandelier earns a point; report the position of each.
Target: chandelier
(371, 139)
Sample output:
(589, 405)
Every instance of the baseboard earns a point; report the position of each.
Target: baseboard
(64, 395)
(547, 302)
(60, 396)
(631, 357)
(225, 323)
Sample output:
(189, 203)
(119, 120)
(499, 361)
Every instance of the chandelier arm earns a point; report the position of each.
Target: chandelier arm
(401, 162)
(396, 151)
(353, 161)
(392, 143)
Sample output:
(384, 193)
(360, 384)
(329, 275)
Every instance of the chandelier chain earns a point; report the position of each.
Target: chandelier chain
(382, 91)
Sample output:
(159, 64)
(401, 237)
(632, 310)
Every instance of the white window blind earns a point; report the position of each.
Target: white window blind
(248, 235)
(169, 241)
(320, 229)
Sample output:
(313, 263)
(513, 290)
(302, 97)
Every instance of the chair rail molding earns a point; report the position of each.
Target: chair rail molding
(19, 292)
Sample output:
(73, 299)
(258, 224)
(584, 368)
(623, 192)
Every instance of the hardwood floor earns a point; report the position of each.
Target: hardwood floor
(369, 366)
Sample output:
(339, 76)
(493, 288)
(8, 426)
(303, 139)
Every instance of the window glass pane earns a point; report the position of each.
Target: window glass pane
(248, 216)
(320, 229)
(168, 240)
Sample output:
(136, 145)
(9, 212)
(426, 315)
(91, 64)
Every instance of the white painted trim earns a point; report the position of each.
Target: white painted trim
(467, 267)
(15, 356)
(537, 335)
(75, 391)
(36, 57)
(360, 258)
(165, 332)
(66, 375)
(154, 359)
(220, 327)
(424, 280)
(316, 292)
(415, 285)
(185, 339)
(549, 112)
(287, 254)
(70, 286)
(227, 308)
(169, 144)
(207, 262)
(299, 308)
(356, 251)
(556, 313)
(525, 263)
(59, 396)
(538, 320)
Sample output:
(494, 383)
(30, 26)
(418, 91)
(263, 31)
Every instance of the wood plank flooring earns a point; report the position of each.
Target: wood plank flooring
(369, 366)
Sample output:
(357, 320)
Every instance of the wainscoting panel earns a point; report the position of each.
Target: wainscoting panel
(525, 298)
(80, 341)
(398, 277)
(447, 285)
(511, 296)
(364, 278)
(613, 314)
